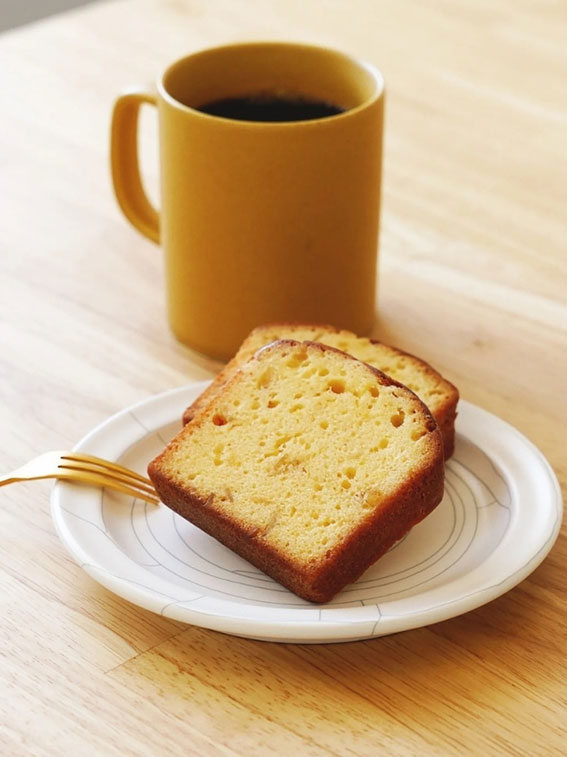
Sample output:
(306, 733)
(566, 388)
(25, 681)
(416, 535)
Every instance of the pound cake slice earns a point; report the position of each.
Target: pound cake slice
(440, 396)
(308, 463)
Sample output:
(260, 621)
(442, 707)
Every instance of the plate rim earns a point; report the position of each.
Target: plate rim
(328, 629)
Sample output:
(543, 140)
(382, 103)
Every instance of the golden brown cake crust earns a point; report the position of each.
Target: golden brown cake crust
(222, 377)
(366, 545)
(445, 412)
(415, 497)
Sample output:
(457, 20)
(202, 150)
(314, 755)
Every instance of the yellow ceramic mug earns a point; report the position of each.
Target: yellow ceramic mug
(260, 221)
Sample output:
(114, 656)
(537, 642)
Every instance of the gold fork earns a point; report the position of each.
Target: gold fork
(75, 466)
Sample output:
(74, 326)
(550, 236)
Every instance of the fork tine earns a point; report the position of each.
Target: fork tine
(137, 483)
(86, 469)
(98, 479)
(106, 464)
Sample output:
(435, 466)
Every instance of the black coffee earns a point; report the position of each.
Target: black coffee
(270, 108)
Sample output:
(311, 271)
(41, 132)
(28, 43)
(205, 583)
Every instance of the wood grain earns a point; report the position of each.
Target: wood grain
(473, 276)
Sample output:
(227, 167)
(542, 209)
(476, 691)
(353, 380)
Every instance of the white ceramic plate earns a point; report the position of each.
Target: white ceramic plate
(498, 520)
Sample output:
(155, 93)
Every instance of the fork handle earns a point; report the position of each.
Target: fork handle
(94, 480)
(4, 480)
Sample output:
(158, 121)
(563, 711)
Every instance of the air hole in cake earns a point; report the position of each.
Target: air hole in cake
(350, 472)
(383, 443)
(273, 403)
(308, 373)
(415, 435)
(324, 425)
(397, 419)
(219, 419)
(297, 359)
(374, 391)
(296, 407)
(264, 379)
(337, 386)
(323, 371)
(345, 484)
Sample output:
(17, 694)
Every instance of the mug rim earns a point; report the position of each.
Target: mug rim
(360, 63)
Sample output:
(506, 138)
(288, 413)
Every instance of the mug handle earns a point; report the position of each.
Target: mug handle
(125, 165)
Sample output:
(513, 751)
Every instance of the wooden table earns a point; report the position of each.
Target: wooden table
(473, 277)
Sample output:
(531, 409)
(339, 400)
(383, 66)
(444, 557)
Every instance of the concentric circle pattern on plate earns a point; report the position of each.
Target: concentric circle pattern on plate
(499, 518)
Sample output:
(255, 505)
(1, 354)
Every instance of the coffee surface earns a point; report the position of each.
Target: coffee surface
(266, 107)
